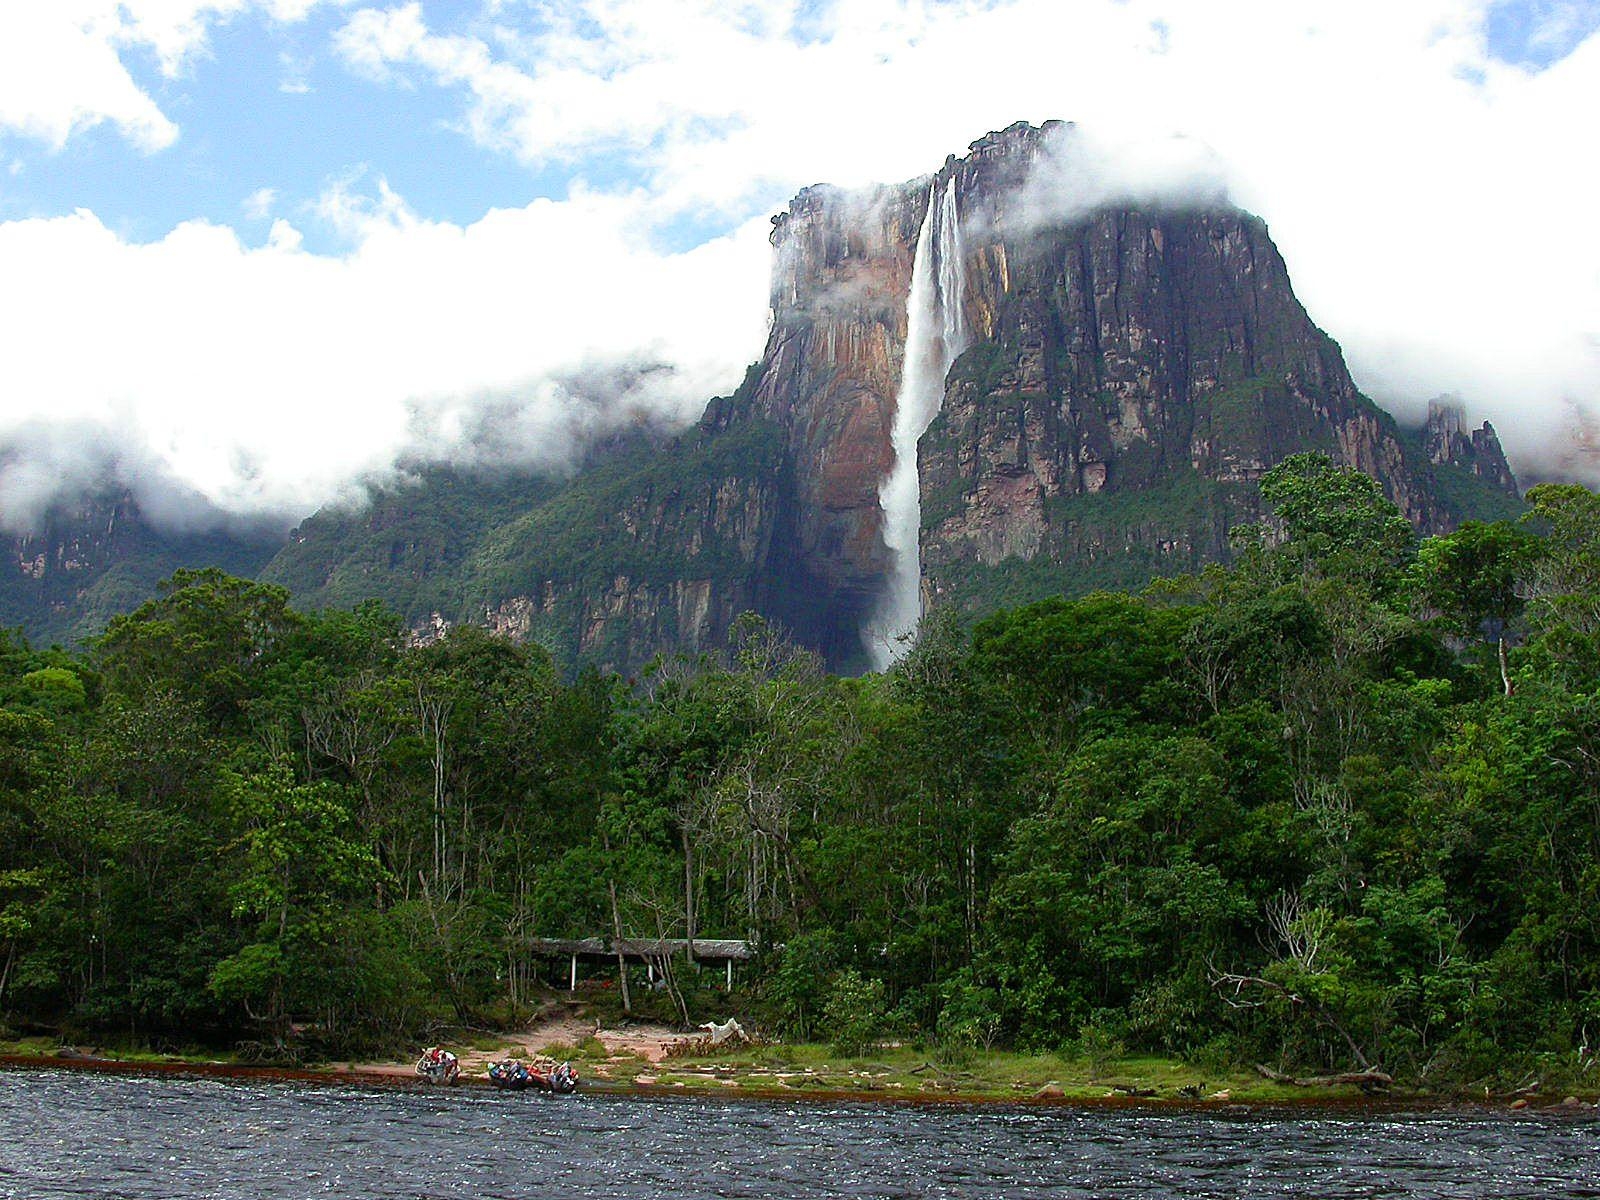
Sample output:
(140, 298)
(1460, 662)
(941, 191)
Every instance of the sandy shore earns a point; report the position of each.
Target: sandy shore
(553, 1036)
(635, 1058)
(401, 1075)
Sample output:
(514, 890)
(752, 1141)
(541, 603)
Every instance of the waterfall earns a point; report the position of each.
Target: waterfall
(936, 332)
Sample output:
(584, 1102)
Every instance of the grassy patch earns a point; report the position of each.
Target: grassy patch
(985, 1075)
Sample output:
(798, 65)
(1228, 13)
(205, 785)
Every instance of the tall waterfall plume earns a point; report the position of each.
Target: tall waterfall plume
(936, 333)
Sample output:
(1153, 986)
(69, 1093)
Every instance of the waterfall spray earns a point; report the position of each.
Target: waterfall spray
(936, 333)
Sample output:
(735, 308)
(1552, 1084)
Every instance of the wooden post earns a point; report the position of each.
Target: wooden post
(572, 986)
(730, 974)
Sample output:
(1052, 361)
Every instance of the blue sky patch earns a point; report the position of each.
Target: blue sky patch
(269, 108)
(1540, 33)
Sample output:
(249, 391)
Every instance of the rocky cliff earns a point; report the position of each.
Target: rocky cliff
(1132, 373)
(1448, 442)
(1119, 377)
(1126, 375)
(85, 561)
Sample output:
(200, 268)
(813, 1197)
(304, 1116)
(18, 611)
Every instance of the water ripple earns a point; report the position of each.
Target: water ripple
(67, 1135)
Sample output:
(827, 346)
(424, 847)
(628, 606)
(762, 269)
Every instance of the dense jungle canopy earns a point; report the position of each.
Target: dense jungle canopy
(1335, 804)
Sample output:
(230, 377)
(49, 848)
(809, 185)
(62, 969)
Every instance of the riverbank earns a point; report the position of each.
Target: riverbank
(657, 1060)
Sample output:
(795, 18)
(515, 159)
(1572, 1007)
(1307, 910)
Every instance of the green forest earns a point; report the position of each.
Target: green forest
(1334, 805)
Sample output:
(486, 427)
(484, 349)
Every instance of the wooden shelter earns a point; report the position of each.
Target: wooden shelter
(649, 951)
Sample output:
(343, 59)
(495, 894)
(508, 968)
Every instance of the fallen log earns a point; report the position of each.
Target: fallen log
(729, 1031)
(1370, 1080)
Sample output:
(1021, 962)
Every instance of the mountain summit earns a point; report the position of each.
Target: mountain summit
(1124, 374)
(983, 386)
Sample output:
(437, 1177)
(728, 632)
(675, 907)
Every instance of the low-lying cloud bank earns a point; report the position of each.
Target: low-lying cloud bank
(269, 379)
(1431, 195)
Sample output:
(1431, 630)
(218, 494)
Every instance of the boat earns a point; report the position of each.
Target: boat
(439, 1066)
(514, 1075)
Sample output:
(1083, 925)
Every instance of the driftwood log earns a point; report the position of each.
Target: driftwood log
(729, 1031)
(1369, 1080)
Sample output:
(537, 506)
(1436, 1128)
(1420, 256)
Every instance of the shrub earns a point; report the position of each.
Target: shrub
(1101, 1047)
(852, 1014)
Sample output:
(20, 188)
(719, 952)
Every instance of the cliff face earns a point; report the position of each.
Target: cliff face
(1448, 442)
(1128, 375)
(1133, 373)
(828, 378)
(89, 560)
(638, 557)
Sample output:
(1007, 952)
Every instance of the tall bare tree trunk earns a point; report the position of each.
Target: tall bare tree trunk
(433, 715)
(688, 894)
(616, 925)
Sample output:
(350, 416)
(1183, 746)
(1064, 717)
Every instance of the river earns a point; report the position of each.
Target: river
(70, 1134)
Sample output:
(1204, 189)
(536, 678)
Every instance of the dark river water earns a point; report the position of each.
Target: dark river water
(69, 1134)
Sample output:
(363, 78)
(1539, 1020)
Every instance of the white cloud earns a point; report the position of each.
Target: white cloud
(60, 72)
(268, 379)
(1432, 202)
(258, 204)
(1082, 170)
(62, 68)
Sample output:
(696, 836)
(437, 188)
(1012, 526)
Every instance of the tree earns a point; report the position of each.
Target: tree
(298, 867)
(1564, 594)
(1336, 517)
(207, 637)
(1475, 578)
(1119, 883)
(1246, 646)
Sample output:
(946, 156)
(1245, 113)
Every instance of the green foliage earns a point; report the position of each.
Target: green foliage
(204, 638)
(408, 547)
(1565, 584)
(300, 867)
(797, 988)
(1100, 1047)
(1476, 574)
(970, 1018)
(1277, 811)
(853, 1014)
(1464, 495)
(1337, 513)
(55, 688)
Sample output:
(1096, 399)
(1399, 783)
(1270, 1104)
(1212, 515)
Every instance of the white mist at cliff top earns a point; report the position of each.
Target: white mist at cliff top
(936, 333)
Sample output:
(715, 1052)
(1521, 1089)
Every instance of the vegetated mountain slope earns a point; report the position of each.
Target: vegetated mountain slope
(1131, 372)
(408, 545)
(86, 562)
(656, 544)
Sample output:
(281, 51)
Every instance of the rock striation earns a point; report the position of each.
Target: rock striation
(1127, 372)
(1132, 372)
(86, 560)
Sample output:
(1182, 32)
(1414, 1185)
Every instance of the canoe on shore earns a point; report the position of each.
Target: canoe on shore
(514, 1075)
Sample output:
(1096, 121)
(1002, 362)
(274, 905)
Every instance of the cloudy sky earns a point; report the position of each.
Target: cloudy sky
(254, 250)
